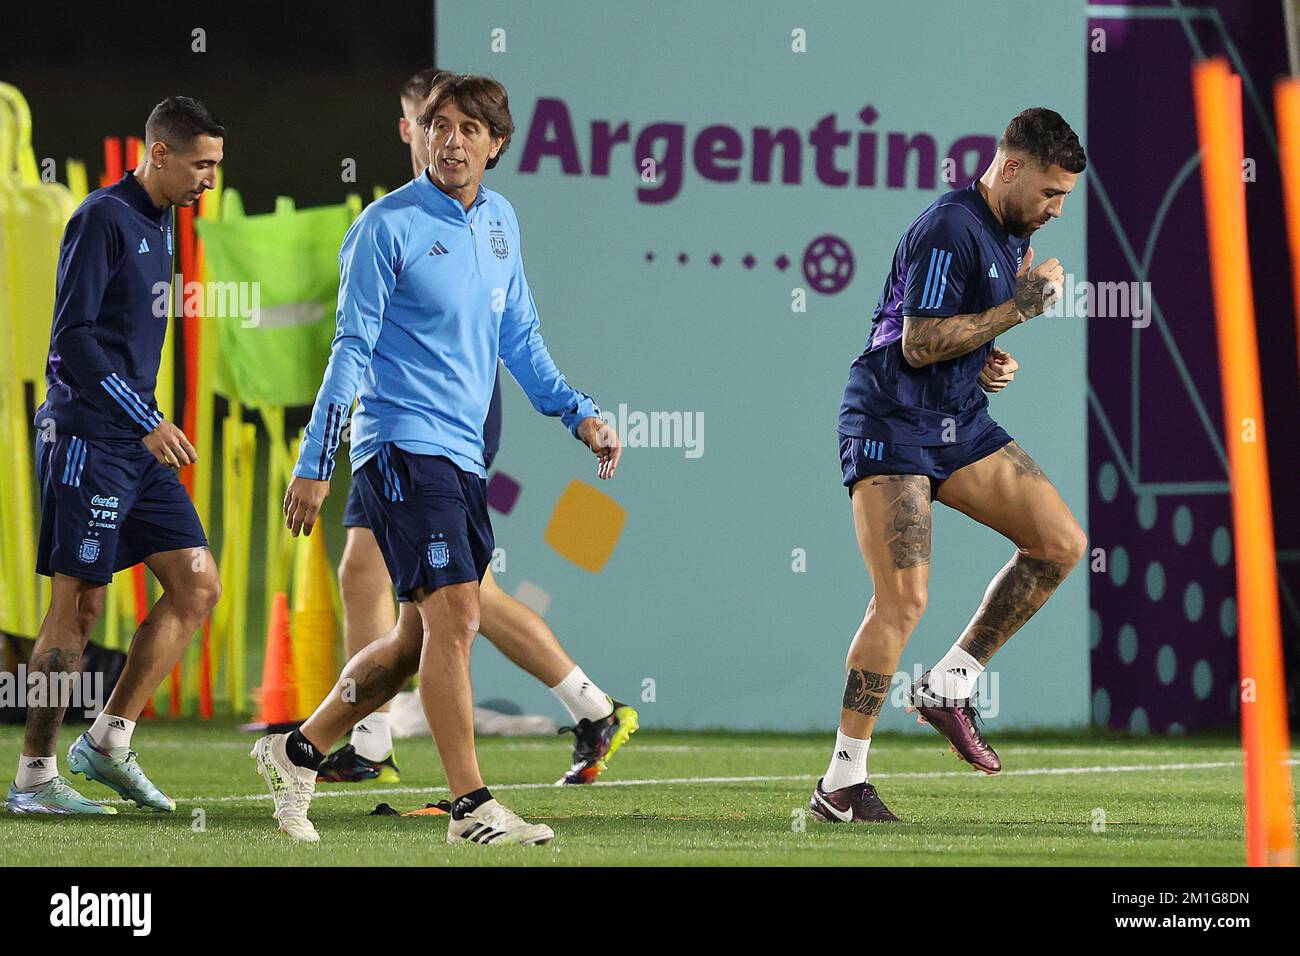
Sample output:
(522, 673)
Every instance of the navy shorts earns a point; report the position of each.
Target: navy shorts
(108, 505)
(430, 519)
(354, 516)
(863, 457)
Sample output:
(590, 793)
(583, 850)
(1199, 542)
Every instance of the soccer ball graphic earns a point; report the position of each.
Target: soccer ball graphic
(828, 264)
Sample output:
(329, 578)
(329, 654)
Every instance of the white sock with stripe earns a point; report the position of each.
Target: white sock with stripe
(35, 772)
(955, 674)
(848, 762)
(581, 697)
(110, 732)
(373, 737)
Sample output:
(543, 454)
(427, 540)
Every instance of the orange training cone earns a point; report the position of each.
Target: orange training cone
(279, 697)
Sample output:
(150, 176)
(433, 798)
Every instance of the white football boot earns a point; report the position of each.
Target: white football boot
(291, 786)
(497, 824)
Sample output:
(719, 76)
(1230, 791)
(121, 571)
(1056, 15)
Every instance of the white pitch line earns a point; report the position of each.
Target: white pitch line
(787, 778)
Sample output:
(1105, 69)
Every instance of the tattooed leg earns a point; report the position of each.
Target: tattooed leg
(374, 674)
(1009, 493)
(891, 514)
(906, 502)
(865, 692)
(56, 660)
(1018, 590)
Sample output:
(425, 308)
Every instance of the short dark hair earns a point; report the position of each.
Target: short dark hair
(481, 97)
(178, 121)
(419, 85)
(1046, 136)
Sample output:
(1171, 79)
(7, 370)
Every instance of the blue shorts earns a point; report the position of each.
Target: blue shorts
(430, 519)
(108, 505)
(862, 457)
(354, 516)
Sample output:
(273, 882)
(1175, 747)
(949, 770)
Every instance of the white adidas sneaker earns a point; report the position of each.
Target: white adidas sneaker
(291, 786)
(497, 824)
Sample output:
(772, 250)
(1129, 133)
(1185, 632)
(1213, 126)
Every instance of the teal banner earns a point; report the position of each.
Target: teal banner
(710, 195)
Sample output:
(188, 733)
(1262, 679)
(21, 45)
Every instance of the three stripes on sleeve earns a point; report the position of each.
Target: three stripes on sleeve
(143, 415)
(336, 416)
(936, 280)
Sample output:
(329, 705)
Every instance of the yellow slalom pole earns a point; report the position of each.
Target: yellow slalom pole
(1270, 823)
(277, 478)
(239, 636)
(222, 689)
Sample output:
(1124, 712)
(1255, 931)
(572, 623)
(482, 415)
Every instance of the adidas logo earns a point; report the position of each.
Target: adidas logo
(842, 755)
(438, 249)
(144, 246)
(36, 765)
(993, 271)
(482, 833)
(362, 729)
(959, 671)
(117, 723)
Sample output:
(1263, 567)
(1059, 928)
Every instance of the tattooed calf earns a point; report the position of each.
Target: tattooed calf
(865, 691)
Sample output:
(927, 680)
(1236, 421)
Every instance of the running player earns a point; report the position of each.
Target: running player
(110, 497)
(914, 427)
(432, 290)
(600, 724)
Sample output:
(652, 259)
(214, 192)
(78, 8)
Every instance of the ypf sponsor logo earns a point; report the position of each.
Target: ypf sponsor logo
(78, 909)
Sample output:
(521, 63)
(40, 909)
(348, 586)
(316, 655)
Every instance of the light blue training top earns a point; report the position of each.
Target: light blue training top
(429, 296)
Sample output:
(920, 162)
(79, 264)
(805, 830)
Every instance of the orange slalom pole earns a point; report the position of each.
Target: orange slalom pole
(1270, 824)
(1286, 97)
(112, 161)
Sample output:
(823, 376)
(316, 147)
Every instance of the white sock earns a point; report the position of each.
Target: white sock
(955, 674)
(581, 697)
(848, 762)
(373, 737)
(34, 772)
(111, 733)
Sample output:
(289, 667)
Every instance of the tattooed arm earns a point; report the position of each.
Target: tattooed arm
(929, 340)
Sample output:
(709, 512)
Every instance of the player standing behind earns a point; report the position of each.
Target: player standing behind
(431, 292)
(601, 724)
(914, 427)
(105, 458)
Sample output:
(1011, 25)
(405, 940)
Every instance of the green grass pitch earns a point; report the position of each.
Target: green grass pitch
(682, 799)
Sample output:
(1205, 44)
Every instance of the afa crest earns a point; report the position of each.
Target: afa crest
(88, 553)
(499, 246)
(439, 554)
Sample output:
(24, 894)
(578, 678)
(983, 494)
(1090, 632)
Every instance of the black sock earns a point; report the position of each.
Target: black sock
(469, 803)
(301, 751)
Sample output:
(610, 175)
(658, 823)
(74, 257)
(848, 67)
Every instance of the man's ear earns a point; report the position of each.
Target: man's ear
(158, 153)
(1010, 169)
(496, 148)
(404, 129)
